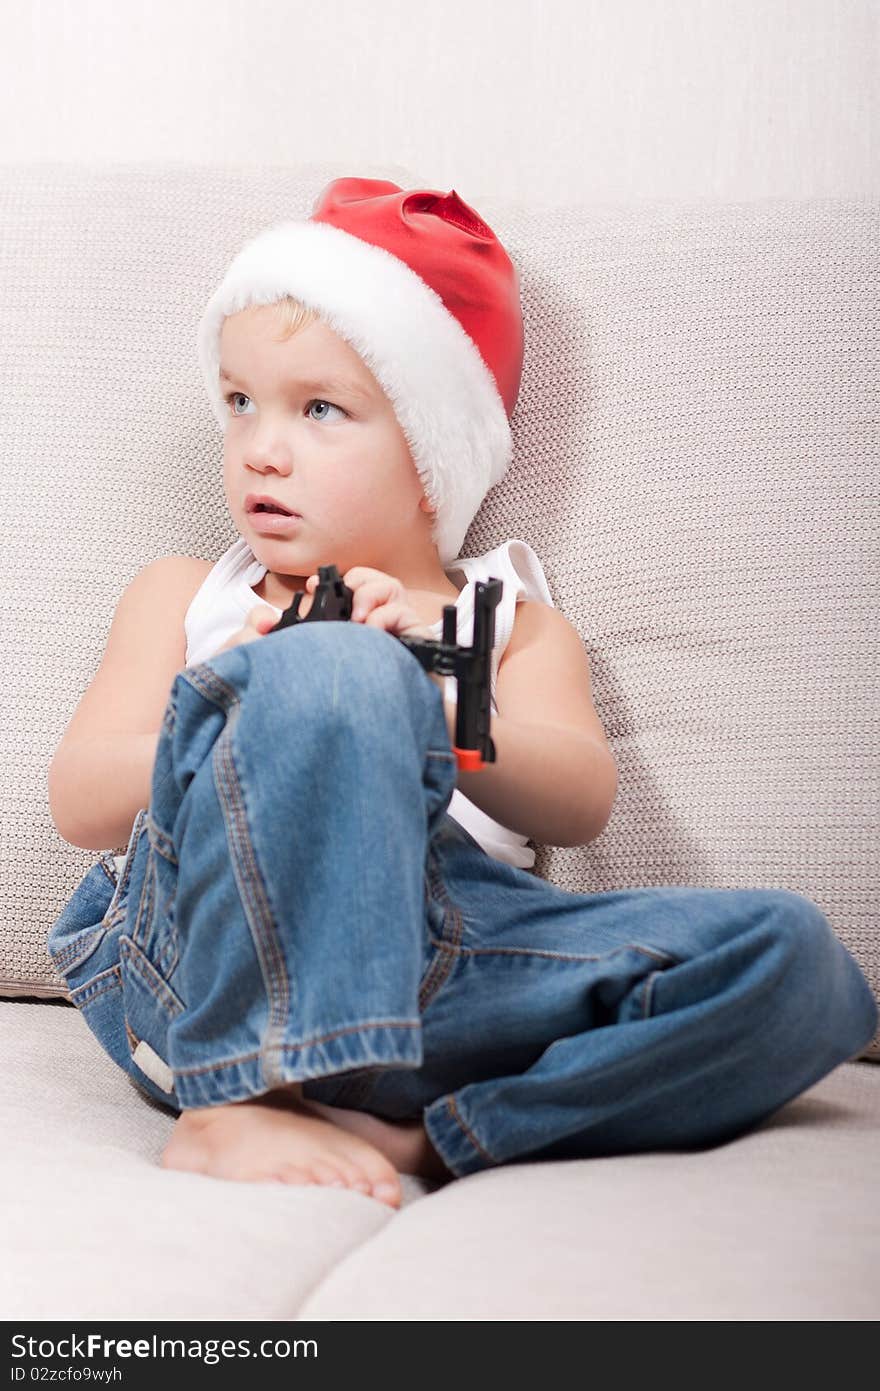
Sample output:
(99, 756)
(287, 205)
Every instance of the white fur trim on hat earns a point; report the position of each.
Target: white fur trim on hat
(444, 396)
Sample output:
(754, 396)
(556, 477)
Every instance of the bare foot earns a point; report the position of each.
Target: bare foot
(278, 1137)
(405, 1143)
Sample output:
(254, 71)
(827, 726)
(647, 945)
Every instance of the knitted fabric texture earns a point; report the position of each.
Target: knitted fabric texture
(695, 466)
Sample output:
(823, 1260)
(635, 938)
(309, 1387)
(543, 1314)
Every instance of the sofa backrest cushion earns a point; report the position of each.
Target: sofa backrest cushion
(696, 444)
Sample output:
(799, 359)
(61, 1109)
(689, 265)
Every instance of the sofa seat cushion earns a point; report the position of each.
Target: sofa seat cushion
(94, 1228)
(782, 1223)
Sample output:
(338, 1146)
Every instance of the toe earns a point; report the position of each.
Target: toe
(351, 1175)
(358, 1180)
(385, 1183)
(327, 1174)
(387, 1192)
(291, 1173)
(182, 1156)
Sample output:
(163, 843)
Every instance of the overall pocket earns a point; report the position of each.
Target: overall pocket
(443, 930)
(153, 890)
(84, 945)
(99, 1001)
(149, 1005)
(106, 973)
(148, 957)
(90, 919)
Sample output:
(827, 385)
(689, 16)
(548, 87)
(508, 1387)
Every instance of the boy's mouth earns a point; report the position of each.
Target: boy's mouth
(261, 502)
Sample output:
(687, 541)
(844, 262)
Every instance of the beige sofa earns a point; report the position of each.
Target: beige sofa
(696, 463)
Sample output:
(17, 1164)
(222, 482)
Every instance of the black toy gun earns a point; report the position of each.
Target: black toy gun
(471, 666)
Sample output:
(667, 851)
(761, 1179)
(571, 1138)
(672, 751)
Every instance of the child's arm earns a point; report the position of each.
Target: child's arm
(554, 785)
(101, 773)
(97, 786)
(555, 777)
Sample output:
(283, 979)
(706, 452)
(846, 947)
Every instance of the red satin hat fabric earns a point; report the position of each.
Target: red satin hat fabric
(453, 250)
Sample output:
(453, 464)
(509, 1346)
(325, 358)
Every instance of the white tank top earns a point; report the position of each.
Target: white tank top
(226, 596)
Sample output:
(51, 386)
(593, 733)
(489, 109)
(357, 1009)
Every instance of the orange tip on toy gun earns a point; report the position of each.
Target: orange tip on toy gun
(471, 666)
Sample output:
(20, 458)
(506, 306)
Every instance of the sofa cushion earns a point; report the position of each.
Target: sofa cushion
(781, 1223)
(91, 1225)
(696, 442)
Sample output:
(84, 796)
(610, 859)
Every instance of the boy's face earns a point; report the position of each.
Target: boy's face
(308, 423)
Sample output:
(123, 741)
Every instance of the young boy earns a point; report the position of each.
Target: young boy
(318, 907)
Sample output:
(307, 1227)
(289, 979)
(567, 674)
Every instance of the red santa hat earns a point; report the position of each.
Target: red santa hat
(419, 285)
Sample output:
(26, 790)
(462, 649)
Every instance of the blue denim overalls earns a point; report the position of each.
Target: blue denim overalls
(297, 905)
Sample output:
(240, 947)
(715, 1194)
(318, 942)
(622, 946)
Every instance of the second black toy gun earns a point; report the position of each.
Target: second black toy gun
(471, 666)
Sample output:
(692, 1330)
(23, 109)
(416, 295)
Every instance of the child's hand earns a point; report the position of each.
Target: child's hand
(380, 601)
(259, 621)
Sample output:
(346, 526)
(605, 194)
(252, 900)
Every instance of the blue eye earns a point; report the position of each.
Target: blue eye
(316, 400)
(230, 397)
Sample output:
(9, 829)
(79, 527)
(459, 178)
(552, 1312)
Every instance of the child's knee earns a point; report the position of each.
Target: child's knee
(818, 963)
(341, 674)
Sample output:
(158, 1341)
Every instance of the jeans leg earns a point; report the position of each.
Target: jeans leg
(655, 1018)
(84, 943)
(297, 783)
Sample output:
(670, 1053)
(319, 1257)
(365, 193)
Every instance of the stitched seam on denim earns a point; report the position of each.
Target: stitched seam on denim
(144, 969)
(145, 902)
(205, 682)
(647, 993)
(169, 715)
(449, 944)
(564, 956)
(437, 973)
(85, 936)
(115, 910)
(252, 890)
(109, 870)
(111, 978)
(164, 967)
(283, 1048)
(424, 987)
(169, 967)
(136, 833)
(73, 952)
(438, 892)
(163, 844)
(462, 1124)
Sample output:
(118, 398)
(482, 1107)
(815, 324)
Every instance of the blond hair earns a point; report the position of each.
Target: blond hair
(294, 315)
